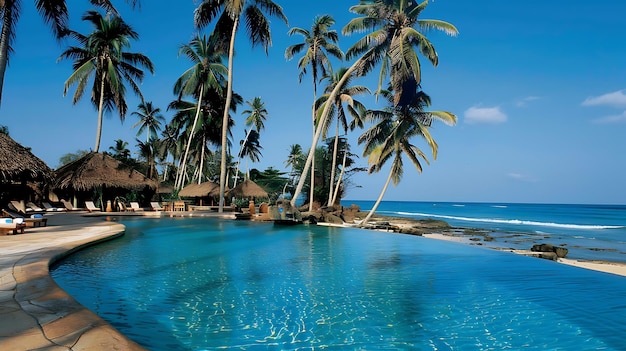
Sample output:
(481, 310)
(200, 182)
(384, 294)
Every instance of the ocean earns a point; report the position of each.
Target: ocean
(589, 232)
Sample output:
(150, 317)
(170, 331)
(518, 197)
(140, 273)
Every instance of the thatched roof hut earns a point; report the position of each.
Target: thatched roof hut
(17, 163)
(199, 190)
(96, 170)
(248, 188)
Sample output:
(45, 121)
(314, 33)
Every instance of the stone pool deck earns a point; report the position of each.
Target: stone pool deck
(35, 314)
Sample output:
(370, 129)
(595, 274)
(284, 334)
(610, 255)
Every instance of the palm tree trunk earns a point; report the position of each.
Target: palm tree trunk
(183, 165)
(245, 140)
(100, 112)
(380, 198)
(334, 164)
(343, 168)
(202, 160)
(229, 96)
(312, 191)
(318, 130)
(5, 36)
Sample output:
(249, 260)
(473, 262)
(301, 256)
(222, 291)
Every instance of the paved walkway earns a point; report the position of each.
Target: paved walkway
(35, 314)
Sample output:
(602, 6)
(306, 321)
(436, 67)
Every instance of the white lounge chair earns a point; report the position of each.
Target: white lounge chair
(134, 206)
(156, 206)
(50, 208)
(68, 205)
(91, 207)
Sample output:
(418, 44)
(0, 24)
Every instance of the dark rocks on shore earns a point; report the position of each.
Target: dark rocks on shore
(559, 251)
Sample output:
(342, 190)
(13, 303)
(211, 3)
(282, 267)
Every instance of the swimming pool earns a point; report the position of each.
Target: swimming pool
(202, 283)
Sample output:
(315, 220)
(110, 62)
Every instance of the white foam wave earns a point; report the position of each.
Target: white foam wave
(500, 206)
(512, 221)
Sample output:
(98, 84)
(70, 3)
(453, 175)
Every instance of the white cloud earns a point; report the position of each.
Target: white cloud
(523, 102)
(522, 177)
(484, 115)
(611, 119)
(614, 99)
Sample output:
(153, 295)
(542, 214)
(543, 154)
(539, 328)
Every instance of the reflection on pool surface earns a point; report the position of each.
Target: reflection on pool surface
(197, 284)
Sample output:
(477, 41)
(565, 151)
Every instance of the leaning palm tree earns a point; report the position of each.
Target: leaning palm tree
(207, 73)
(258, 27)
(319, 43)
(257, 114)
(392, 41)
(54, 13)
(102, 58)
(150, 119)
(355, 109)
(390, 137)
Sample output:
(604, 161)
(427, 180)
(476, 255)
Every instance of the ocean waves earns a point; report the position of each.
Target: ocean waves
(515, 222)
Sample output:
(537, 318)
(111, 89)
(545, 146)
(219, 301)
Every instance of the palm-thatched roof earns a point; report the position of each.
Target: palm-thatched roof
(99, 169)
(17, 163)
(199, 190)
(247, 188)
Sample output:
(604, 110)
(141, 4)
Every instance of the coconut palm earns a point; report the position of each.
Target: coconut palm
(319, 43)
(150, 119)
(54, 13)
(120, 150)
(257, 114)
(207, 73)
(148, 153)
(103, 59)
(394, 36)
(390, 137)
(258, 27)
(355, 108)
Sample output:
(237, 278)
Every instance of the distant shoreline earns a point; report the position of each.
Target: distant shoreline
(439, 232)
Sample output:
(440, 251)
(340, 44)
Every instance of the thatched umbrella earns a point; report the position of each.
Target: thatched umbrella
(18, 164)
(248, 188)
(95, 170)
(198, 190)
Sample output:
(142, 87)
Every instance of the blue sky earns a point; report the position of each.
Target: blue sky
(539, 88)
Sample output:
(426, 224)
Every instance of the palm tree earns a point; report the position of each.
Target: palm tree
(355, 108)
(259, 33)
(257, 114)
(120, 150)
(390, 138)
(148, 153)
(250, 147)
(393, 40)
(104, 58)
(207, 73)
(150, 119)
(54, 13)
(319, 42)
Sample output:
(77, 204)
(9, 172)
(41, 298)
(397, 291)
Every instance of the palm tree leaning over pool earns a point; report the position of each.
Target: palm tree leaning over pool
(319, 42)
(355, 108)
(150, 119)
(257, 113)
(206, 73)
(54, 13)
(258, 27)
(393, 41)
(390, 137)
(103, 56)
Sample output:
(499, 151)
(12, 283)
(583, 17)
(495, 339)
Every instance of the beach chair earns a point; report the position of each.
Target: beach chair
(156, 206)
(49, 208)
(91, 207)
(68, 205)
(35, 220)
(134, 206)
(8, 225)
(122, 207)
(31, 208)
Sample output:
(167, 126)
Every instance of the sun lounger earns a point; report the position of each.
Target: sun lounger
(156, 206)
(134, 206)
(35, 220)
(49, 208)
(122, 207)
(68, 205)
(91, 207)
(32, 208)
(8, 225)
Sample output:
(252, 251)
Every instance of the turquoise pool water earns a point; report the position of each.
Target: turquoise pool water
(203, 284)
